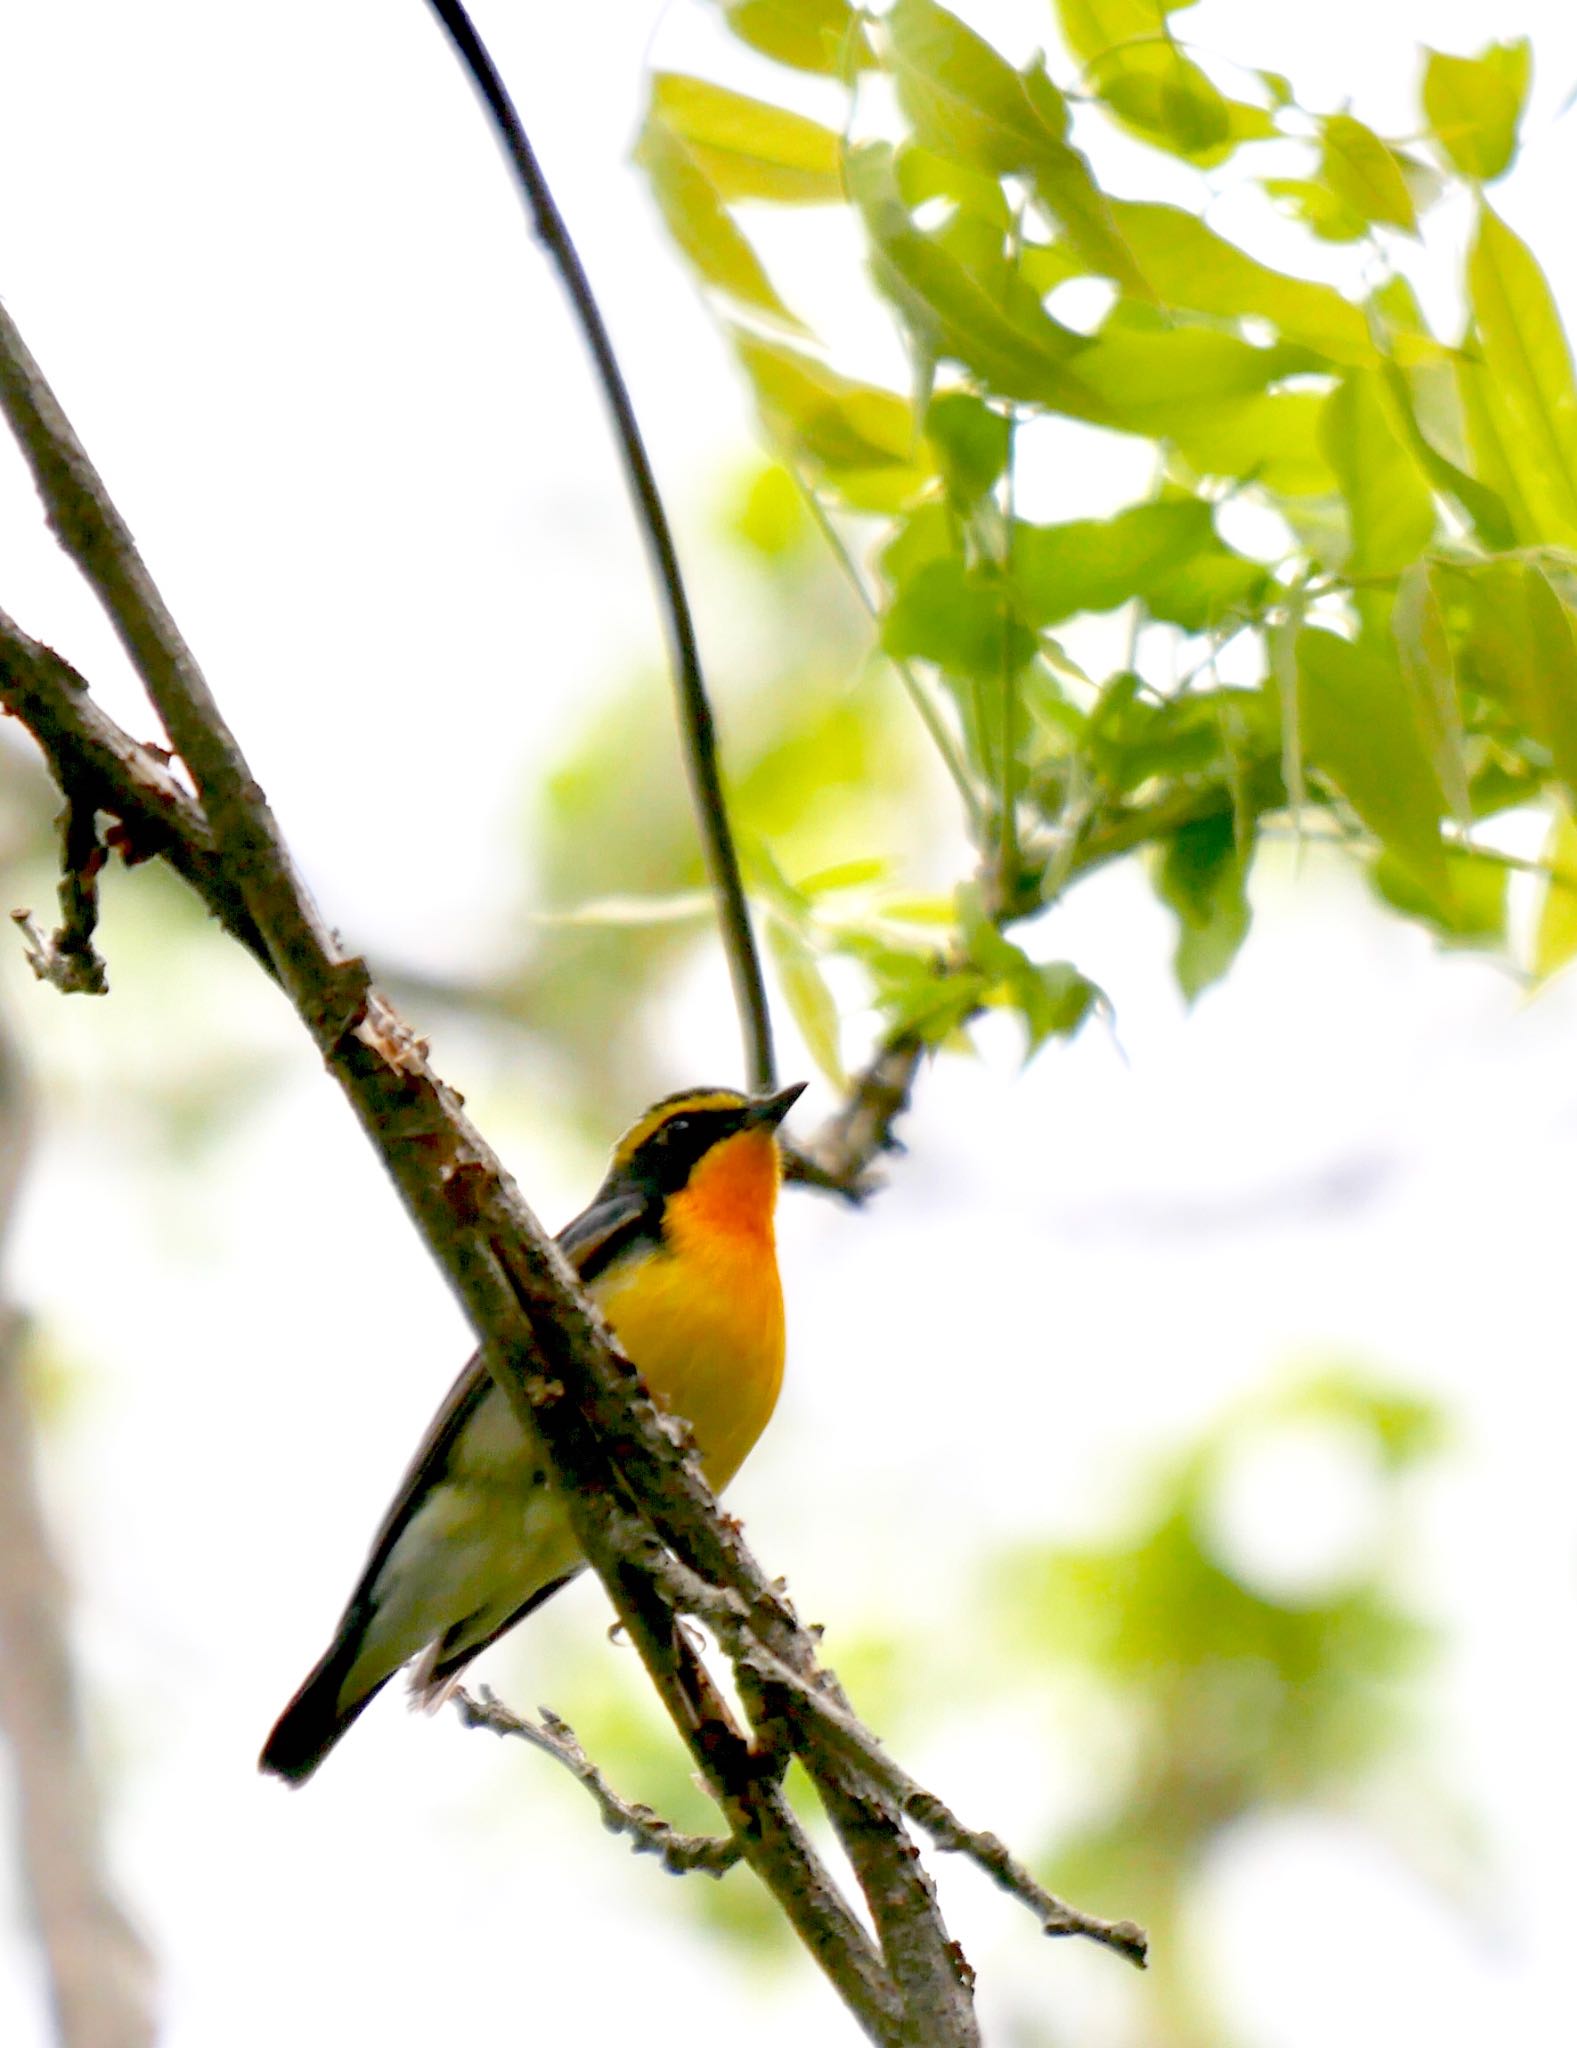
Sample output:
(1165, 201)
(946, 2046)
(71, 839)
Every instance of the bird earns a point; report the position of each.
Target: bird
(677, 1249)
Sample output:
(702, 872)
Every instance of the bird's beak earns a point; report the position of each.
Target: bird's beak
(768, 1111)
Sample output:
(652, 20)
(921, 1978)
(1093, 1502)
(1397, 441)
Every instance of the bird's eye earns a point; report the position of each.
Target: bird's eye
(676, 1127)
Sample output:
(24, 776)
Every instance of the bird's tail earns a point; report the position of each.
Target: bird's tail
(317, 1717)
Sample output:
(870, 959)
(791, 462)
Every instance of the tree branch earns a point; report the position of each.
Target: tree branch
(617, 1462)
(101, 1977)
(541, 1339)
(68, 961)
(698, 731)
(649, 1833)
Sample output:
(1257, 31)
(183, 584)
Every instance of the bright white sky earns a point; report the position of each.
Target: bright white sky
(271, 263)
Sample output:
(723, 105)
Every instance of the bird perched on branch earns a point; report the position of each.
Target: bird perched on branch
(677, 1251)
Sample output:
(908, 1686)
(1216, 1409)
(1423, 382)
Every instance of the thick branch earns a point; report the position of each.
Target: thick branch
(697, 728)
(543, 1343)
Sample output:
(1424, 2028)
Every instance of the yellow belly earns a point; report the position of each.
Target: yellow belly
(705, 1325)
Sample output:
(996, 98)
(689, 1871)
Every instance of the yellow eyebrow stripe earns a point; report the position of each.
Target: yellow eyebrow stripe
(684, 1104)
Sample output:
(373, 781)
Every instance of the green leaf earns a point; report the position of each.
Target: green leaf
(960, 619)
(1194, 269)
(1423, 648)
(1092, 27)
(1474, 104)
(686, 906)
(1322, 211)
(1163, 97)
(857, 436)
(1152, 378)
(1484, 507)
(1167, 553)
(1469, 911)
(699, 222)
(747, 149)
(1273, 439)
(824, 36)
(1515, 644)
(964, 100)
(985, 318)
(809, 999)
(1555, 938)
(1390, 508)
(1365, 174)
(1357, 727)
(1201, 876)
(971, 441)
(1053, 998)
(1527, 395)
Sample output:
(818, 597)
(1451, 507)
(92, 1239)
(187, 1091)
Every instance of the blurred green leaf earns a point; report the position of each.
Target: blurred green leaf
(809, 999)
(1202, 877)
(699, 222)
(1470, 910)
(1150, 86)
(1513, 634)
(1319, 207)
(684, 906)
(1428, 666)
(987, 319)
(1092, 27)
(964, 100)
(1364, 173)
(1390, 508)
(1474, 104)
(1196, 270)
(746, 148)
(961, 619)
(1052, 998)
(1526, 400)
(1358, 729)
(1555, 936)
(1154, 377)
(1483, 505)
(1166, 553)
(971, 440)
(853, 435)
(824, 36)
(1272, 439)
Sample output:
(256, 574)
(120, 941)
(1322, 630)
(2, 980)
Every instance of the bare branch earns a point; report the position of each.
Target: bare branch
(698, 730)
(329, 988)
(542, 1341)
(68, 961)
(619, 1465)
(840, 1156)
(101, 1976)
(649, 1833)
(90, 754)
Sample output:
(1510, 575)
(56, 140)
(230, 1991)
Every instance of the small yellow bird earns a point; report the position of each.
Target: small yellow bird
(677, 1250)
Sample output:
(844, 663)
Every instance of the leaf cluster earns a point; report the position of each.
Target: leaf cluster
(1346, 605)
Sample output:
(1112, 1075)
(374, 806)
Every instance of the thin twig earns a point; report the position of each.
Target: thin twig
(726, 1614)
(91, 530)
(68, 961)
(649, 1833)
(698, 728)
(946, 746)
(840, 1156)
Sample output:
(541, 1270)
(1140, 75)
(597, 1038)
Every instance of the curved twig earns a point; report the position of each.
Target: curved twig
(698, 729)
(649, 1833)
